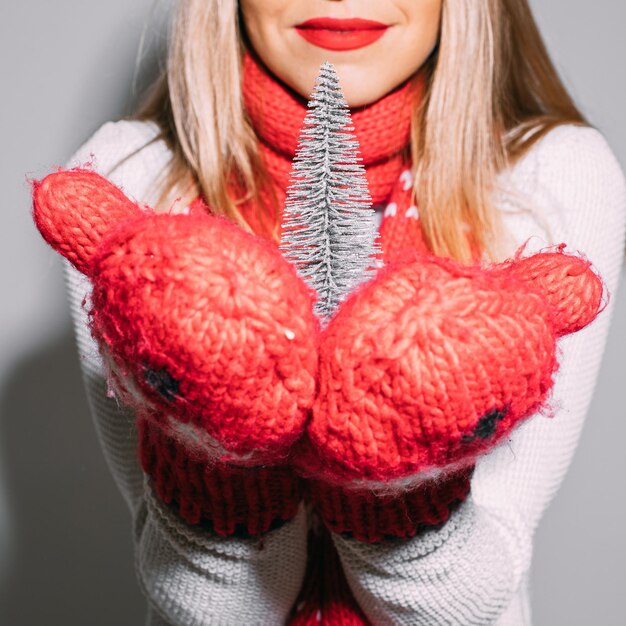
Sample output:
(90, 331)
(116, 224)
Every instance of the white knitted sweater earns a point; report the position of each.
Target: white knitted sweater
(474, 569)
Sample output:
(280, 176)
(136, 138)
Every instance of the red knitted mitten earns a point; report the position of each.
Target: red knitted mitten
(208, 333)
(424, 369)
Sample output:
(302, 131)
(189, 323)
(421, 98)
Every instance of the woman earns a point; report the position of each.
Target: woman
(462, 121)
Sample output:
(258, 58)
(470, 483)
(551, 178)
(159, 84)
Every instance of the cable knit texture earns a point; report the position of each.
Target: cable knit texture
(470, 570)
(229, 581)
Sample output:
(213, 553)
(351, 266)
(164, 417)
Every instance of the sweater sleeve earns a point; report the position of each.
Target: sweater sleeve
(468, 570)
(190, 577)
(115, 424)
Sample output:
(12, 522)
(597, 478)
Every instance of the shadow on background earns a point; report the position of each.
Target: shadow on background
(71, 534)
(69, 553)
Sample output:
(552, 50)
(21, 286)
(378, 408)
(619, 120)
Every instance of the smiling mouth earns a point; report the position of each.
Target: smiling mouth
(336, 34)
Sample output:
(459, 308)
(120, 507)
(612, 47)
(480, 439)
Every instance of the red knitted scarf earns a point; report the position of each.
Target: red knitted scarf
(382, 128)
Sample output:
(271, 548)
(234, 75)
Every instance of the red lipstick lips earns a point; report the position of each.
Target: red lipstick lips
(336, 34)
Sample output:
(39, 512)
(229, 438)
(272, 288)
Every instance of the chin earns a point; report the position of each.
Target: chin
(358, 95)
(360, 87)
(357, 87)
(360, 99)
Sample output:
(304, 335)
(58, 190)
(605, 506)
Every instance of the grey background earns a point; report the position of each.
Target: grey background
(65, 548)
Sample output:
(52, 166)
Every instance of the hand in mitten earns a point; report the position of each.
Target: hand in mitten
(207, 333)
(424, 369)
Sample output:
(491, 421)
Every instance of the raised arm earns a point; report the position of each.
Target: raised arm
(474, 568)
(188, 573)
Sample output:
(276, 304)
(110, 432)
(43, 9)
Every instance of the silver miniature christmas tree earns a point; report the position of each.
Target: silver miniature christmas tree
(329, 228)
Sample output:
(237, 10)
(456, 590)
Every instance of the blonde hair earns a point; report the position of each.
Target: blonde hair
(491, 92)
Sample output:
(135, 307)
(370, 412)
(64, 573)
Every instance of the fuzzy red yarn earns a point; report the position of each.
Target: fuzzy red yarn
(212, 329)
(429, 365)
(222, 380)
(211, 335)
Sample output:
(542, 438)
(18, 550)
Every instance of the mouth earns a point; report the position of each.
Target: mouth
(341, 34)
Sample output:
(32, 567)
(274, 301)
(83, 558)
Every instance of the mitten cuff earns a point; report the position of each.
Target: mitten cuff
(226, 499)
(372, 518)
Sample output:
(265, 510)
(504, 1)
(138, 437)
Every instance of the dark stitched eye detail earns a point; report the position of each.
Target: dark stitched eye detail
(162, 382)
(486, 425)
